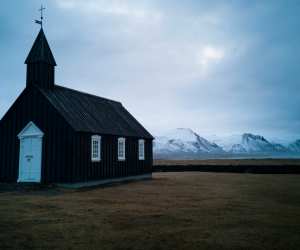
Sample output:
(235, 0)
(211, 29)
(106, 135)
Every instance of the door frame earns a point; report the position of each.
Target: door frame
(30, 131)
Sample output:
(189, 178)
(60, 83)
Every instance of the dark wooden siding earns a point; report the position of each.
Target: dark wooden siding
(66, 154)
(58, 138)
(110, 166)
(41, 74)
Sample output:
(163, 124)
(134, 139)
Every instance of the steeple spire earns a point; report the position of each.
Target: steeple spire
(40, 63)
(40, 51)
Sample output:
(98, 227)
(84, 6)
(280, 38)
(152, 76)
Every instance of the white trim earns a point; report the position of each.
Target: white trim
(95, 152)
(31, 168)
(36, 132)
(141, 149)
(121, 141)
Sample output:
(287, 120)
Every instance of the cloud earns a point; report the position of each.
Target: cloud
(208, 57)
(118, 8)
(216, 66)
(193, 59)
(211, 54)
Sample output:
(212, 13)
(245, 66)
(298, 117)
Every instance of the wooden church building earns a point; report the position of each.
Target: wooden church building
(53, 134)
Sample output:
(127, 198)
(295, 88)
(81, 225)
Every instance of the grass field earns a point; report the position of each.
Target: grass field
(173, 211)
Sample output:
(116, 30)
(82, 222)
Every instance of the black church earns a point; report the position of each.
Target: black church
(53, 134)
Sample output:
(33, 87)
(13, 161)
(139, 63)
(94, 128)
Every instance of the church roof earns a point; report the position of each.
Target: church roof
(89, 113)
(40, 51)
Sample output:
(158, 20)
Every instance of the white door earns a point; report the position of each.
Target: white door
(30, 154)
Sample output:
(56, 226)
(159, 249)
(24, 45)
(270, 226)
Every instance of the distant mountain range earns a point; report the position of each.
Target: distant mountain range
(184, 143)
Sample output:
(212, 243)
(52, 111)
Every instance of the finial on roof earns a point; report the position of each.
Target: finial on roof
(40, 22)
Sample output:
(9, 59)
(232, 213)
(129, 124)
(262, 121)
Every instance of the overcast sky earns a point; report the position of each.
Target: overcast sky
(218, 67)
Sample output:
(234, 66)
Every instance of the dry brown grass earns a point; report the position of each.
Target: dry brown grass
(172, 211)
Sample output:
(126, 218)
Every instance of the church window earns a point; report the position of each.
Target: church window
(96, 148)
(121, 149)
(141, 149)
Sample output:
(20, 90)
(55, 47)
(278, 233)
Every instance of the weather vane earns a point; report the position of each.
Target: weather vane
(40, 22)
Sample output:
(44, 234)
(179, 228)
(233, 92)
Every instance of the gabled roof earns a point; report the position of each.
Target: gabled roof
(89, 113)
(40, 51)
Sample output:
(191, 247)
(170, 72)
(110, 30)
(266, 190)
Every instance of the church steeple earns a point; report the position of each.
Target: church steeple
(40, 63)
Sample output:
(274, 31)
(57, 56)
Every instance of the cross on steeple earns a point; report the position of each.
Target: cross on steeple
(42, 16)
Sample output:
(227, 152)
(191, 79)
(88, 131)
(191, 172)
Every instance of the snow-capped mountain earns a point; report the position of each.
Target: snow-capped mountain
(295, 146)
(183, 141)
(257, 143)
(248, 143)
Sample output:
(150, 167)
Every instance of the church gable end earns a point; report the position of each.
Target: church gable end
(58, 156)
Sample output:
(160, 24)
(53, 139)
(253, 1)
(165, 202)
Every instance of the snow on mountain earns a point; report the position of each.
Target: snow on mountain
(295, 146)
(184, 140)
(227, 141)
(247, 143)
(185, 143)
(256, 143)
(237, 149)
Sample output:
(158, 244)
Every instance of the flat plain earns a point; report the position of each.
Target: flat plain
(231, 162)
(186, 210)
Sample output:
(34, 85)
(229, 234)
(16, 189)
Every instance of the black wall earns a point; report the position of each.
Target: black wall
(109, 166)
(66, 155)
(57, 142)
(41, 74)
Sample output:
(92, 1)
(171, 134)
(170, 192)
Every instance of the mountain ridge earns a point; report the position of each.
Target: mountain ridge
(185, 143)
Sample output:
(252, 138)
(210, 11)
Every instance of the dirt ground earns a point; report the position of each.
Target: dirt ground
(188, 210)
